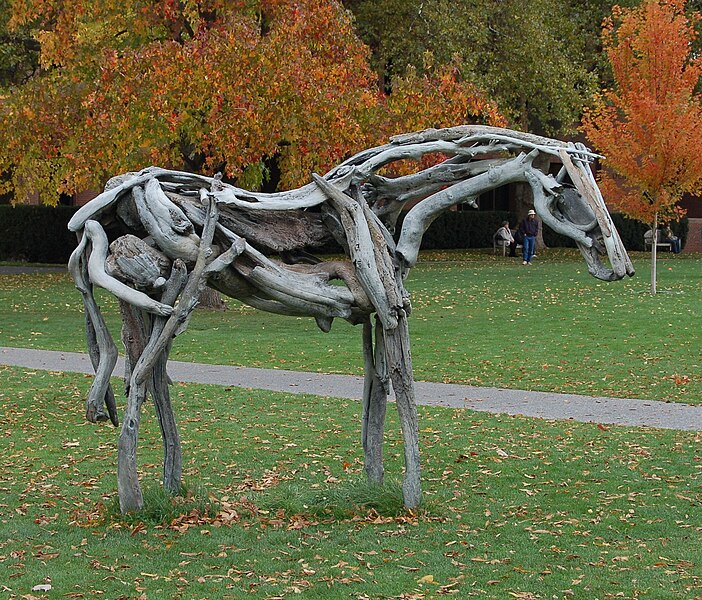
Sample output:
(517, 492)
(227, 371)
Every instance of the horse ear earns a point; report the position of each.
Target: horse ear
(588, 190)
(584, 181)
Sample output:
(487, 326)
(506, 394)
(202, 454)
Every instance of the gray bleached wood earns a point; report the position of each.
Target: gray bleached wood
(181, 232)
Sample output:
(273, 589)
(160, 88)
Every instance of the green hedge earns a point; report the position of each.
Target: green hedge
(631, 232)
(463, 229)
(36, 234)
(474, 229)
(39, 233)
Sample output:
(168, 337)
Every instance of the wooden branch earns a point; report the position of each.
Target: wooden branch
(128, 489)
(382, 245)
(417, 151)
(466, 134)
(542, 204)
(618, 257)
(101, 347)
(583, 185)
(309, 287)
(133, 261)
(172, 453)
(305, 197)
(134, 338)
(343, 270)
(226, 258)
(164, 224)
(375, 392)
(360, 244)
(423, 214)
(306, 300)
(188, 300)
(397, 345)
(98, 275)
(277, 231)
(424, 183)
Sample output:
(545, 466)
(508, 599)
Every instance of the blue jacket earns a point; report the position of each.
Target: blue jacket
(529, 227)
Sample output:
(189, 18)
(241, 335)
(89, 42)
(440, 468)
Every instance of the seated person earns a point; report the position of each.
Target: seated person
(504, 237)
(670, 238)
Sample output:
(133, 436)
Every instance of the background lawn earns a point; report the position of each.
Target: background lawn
(477, 319)
(276, 505)
(514, 507)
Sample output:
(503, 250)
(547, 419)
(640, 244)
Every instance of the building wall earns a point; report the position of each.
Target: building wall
(693, 205)
(82, 198)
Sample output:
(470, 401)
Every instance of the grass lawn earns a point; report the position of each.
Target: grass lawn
(277, 506)
(477, 319)
(514, 507)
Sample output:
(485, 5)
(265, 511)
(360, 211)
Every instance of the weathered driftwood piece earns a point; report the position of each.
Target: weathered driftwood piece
(101, 348)
(376, 389)
(188, 231)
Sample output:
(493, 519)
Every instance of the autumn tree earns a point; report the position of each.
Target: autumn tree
(648, 124)
(206, 85)
(537, 60)
(19, 52)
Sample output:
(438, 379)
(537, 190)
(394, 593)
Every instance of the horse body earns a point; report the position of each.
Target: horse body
(174, 233)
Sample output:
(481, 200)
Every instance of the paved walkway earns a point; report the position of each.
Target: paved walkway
(613, 411)
(30, 269)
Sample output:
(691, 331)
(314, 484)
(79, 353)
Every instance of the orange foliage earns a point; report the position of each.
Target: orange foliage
(206, 85)
(648, 126)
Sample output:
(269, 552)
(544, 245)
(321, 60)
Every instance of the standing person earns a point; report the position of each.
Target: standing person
(529, 228)
(504, 234)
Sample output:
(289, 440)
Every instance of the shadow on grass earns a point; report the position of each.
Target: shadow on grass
(351, 500)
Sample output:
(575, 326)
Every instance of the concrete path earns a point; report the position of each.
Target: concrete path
(30, 269)
(612, 411)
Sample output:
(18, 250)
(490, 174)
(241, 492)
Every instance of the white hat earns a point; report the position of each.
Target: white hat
(531, 212)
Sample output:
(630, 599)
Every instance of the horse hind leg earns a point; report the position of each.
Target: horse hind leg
(375, 392)
(400, 368)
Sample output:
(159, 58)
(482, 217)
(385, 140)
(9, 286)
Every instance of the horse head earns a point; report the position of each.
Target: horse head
(575, 208)
(481, 159)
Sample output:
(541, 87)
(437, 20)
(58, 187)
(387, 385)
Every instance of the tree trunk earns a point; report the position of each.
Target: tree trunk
(654, 253)
(211, 300)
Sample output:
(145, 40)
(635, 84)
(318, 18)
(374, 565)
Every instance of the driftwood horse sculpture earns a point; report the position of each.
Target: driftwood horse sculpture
(156, 238)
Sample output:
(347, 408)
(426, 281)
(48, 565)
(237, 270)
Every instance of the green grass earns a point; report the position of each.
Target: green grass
(275, 504)
(477, 319)
(514, 507)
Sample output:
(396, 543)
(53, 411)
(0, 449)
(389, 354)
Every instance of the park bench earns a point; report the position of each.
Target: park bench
(500, 243)
(648, 236)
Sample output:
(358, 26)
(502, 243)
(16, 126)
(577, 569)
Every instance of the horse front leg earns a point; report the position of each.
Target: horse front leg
(397, 345)
(159, 388)
(154, 380)
(130, 497)
(147, 355)
(172, 453)
(375, 398)
(135, 331)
